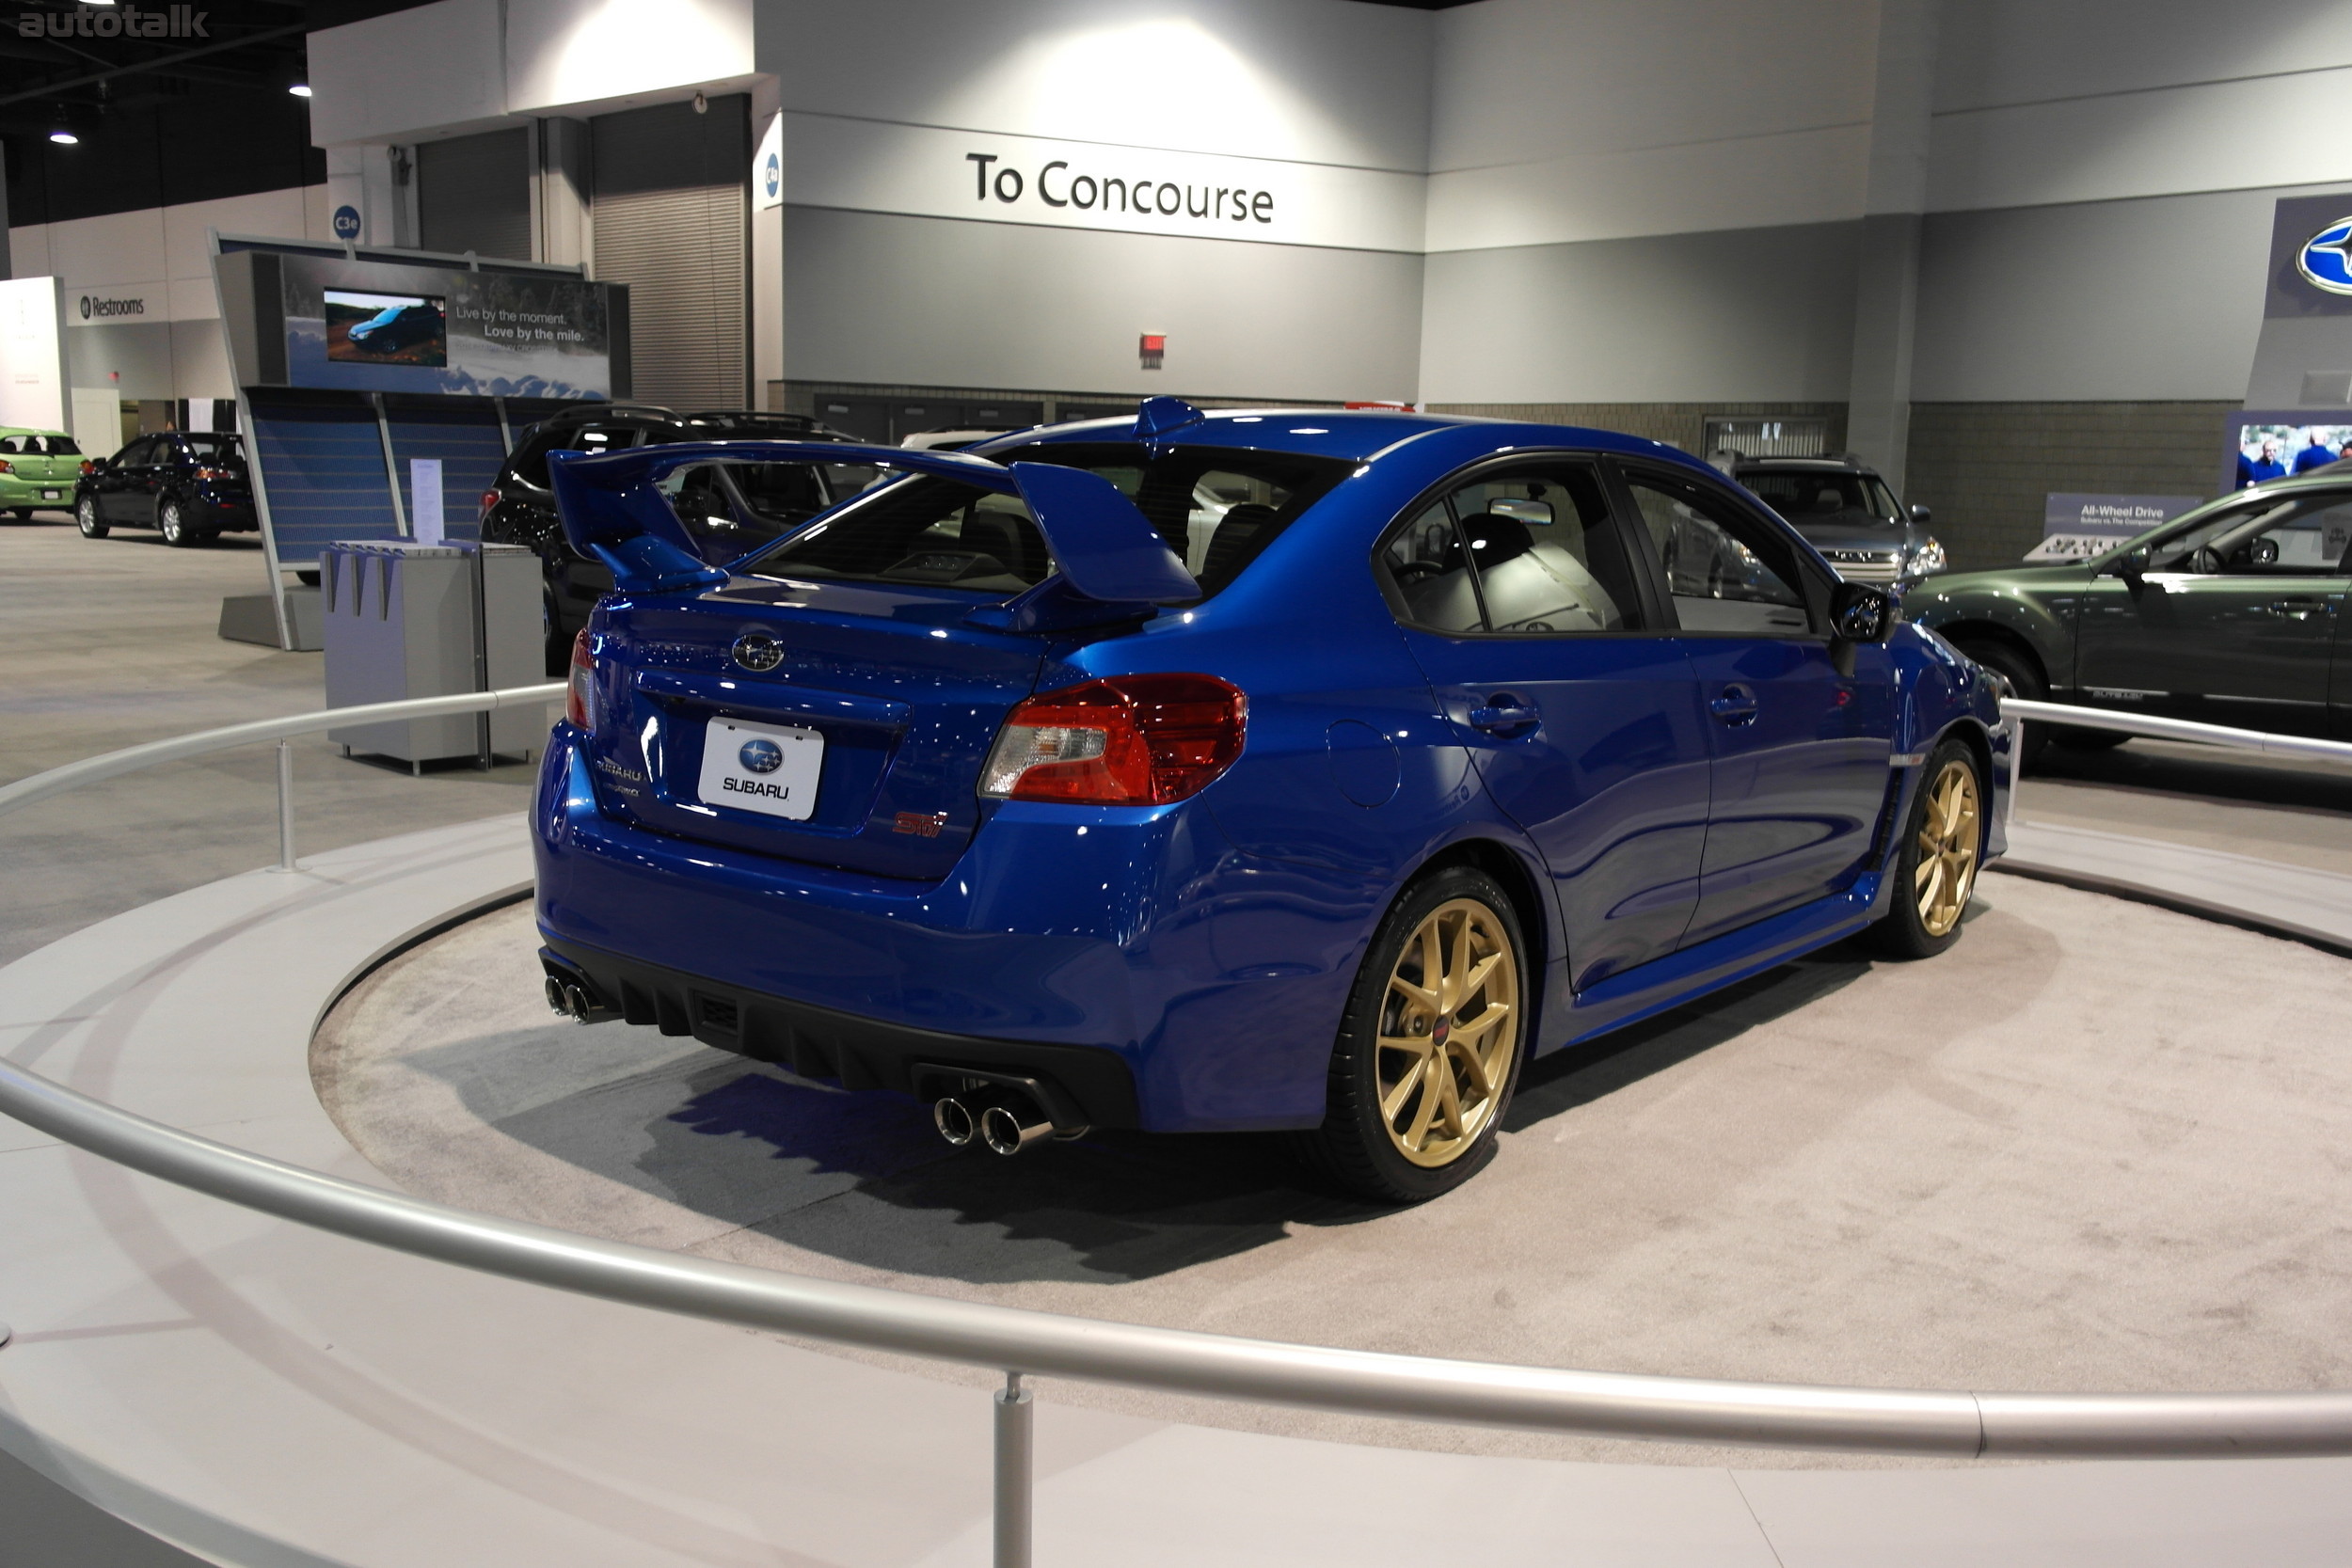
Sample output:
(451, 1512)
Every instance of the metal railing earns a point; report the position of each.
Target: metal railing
(2018, 711)
(1021, 1343)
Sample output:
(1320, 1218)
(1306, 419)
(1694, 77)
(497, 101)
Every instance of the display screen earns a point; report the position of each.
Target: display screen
(387, 329)
(383, 326)
(2278, 446)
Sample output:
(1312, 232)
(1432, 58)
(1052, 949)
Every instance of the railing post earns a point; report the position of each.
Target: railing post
(285, 806)
(1014, 1439)
(2016, 771)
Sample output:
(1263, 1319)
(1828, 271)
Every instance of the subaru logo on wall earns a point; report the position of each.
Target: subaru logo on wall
(771, 175)
(762, 757)
(757, 652)
(2325, 259)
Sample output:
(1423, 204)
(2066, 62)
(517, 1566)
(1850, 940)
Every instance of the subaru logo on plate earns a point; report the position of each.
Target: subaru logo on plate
(762, 757)
(757, 651)
(2327, 257)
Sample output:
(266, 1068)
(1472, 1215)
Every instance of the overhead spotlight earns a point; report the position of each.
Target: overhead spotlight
(64, 138)
(301, 89)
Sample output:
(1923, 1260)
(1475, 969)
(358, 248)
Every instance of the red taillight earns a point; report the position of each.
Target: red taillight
(579, 701)
(1130, 741)
(489, 501)
(214, 473)
(89, 467)
(4, 466)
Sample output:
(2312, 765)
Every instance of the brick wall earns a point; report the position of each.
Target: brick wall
(1985, 467)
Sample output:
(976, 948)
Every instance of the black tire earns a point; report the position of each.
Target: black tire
(2020, 677)
(171, 518)
(1359, 1149)
(1908, 930)
(86, 518)
(559, 647)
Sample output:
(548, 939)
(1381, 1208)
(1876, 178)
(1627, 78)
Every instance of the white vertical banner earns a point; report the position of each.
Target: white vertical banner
(768, 167)
(32, 362)
(425, 523)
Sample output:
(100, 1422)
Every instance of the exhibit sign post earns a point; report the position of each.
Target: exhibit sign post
(426, 524)
(33, 392)
(2078, 526)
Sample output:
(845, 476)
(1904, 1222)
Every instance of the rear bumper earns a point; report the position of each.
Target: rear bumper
(861, 1052)
(1079, 943)
(224, 515)
(18, 491)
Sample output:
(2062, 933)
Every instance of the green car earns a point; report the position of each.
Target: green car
(38, 467)
(2231, 615)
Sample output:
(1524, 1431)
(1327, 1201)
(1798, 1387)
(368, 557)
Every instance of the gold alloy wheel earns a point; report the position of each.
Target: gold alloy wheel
(1948, 848)
(1448, 1026)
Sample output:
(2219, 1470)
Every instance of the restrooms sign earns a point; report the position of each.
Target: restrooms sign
(864, 165)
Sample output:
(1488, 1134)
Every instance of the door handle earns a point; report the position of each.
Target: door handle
(2300, 607)
(1505, 715)
(1734, 706)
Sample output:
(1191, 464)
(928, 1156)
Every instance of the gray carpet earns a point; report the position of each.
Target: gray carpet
(2096, 1146)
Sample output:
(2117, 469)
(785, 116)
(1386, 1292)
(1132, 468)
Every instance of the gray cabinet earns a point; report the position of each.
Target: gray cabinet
(405, 620)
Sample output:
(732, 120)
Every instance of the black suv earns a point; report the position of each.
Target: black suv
(1846, 510)
(190, 484)
(729, 509)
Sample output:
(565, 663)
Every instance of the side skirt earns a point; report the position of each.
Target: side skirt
(1679, 977)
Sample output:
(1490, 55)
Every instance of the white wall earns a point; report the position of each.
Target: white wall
(162, 255)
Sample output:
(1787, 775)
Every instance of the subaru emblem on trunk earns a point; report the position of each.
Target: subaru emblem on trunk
(757, 651)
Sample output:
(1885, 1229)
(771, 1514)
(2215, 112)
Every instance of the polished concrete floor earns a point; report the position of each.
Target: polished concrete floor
(105, 643)
(2095, 1145)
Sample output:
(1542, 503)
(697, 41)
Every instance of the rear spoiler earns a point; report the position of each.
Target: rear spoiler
(1109, 555)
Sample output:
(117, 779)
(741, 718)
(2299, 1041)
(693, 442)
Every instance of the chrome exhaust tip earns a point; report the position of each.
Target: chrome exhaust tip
(579, 1003)
(1008, 1132)
(953, 1118)
(553, 990)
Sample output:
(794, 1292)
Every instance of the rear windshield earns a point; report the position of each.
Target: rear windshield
(55, 446)
(210, 445)
(1216, 509)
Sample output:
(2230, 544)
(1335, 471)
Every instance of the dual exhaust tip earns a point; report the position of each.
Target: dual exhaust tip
(574, 1001)
(1004, 1120)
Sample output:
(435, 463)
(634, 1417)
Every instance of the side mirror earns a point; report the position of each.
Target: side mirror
(1860, 613)
(2131, 566)
(1919, 515)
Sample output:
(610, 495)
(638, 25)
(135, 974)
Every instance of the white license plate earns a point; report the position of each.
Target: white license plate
(758, 768)
(53, 494)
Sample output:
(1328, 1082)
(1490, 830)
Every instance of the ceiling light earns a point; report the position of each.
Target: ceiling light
(64, 138)
(301, 89)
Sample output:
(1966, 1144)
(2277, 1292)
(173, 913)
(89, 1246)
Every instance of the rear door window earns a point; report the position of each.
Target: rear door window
(1523, 551)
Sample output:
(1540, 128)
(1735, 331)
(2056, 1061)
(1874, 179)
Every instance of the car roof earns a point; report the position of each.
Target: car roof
(1802, 465)
(1343, 433)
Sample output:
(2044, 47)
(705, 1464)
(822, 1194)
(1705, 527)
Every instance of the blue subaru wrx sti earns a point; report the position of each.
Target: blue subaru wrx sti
(1237, 771)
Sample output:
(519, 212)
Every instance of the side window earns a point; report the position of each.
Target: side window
(2299, 536)
(1724, 570)
(1432, 574)
(136, 453)
(1526, 551)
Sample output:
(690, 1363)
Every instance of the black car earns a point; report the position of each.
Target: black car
(729, 509)
(1844, 509)
(189, 484)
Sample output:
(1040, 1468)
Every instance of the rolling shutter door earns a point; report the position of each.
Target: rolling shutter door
(474, 193)
(673, 221)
